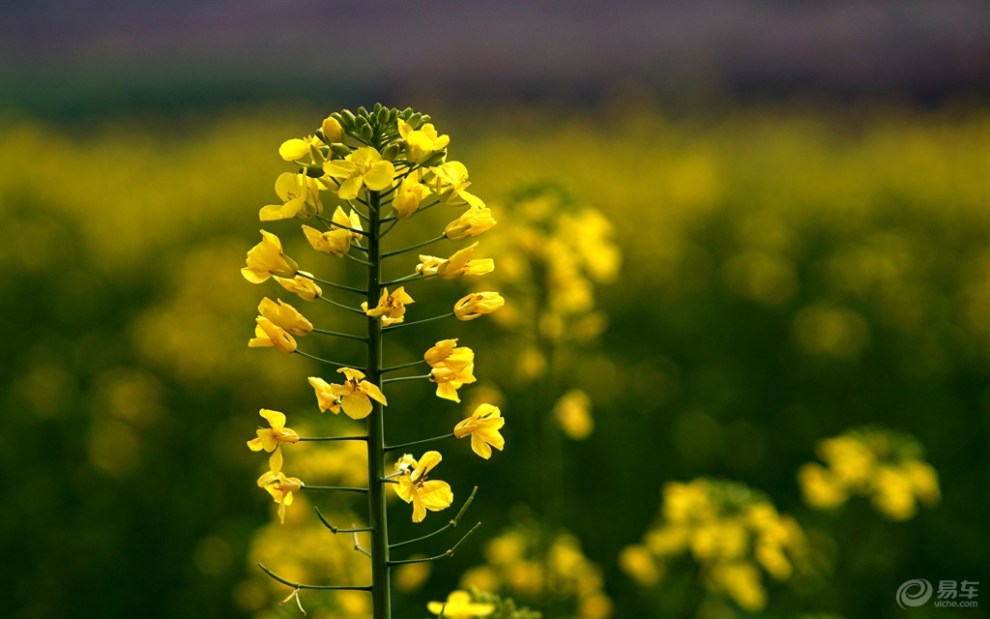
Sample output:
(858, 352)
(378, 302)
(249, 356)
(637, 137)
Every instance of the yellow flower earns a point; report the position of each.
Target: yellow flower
(268, 334)
(409, 195)
(472, 222)
(332, 129)
(300, 196)
(924, 481)
(336, 241)
(414, 487)
(422, 142)
(460, 263)
(460, 606)
(295, 149)
(266, 259)
(302, 286)
(483, 426)
(446, 353)
(285, 316)
(270, 437)
(362, 168)
(278, 485)
(452, 368)
(325, 397)
(850, 460)
(450, 184)
(477, 304)
(391, 307)
(355, 394)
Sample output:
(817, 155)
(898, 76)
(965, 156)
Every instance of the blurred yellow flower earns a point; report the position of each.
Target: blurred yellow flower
(472, 222)
(300, 196)
(820, 487)
(268, 334)
(362, 168)
(355, 394)
(266, 259)
(285, 316)
(422, 142)
(573, 411)
(483, 426)
(306, 288)
(637, 561)
(391, 307)
(460, 606)
(269, 438)
(414, 487)
(477, 304)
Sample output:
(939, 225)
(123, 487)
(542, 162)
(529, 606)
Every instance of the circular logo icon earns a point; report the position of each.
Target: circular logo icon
(914, 593)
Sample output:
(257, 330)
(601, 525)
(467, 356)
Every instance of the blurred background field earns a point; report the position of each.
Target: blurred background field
(804, 234)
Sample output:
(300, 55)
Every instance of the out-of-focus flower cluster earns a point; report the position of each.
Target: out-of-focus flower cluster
(528, 564)
(883, 465)
(552, 253)
(475, 604)
(732, 532)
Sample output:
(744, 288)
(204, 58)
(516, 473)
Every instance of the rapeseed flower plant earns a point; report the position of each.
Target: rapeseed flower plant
(385, 166)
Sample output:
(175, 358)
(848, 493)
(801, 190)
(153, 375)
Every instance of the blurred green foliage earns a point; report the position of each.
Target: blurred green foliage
(786, 275)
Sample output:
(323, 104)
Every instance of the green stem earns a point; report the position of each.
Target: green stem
(420, 442)
(381, 596)
(336, 530)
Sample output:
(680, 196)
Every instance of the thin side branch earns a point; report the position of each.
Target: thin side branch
(336, 488)
(401, 378)
(396, 252)
(332, 438)
(334, 224)
(416, 322)
(296, 585)
(357, 546)
(403, 366)
(321, 360)
(449, 553)
(356, 310)
(316, 279)
(350, 336)
(336, 530)
(420, 442)
(453, 523)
